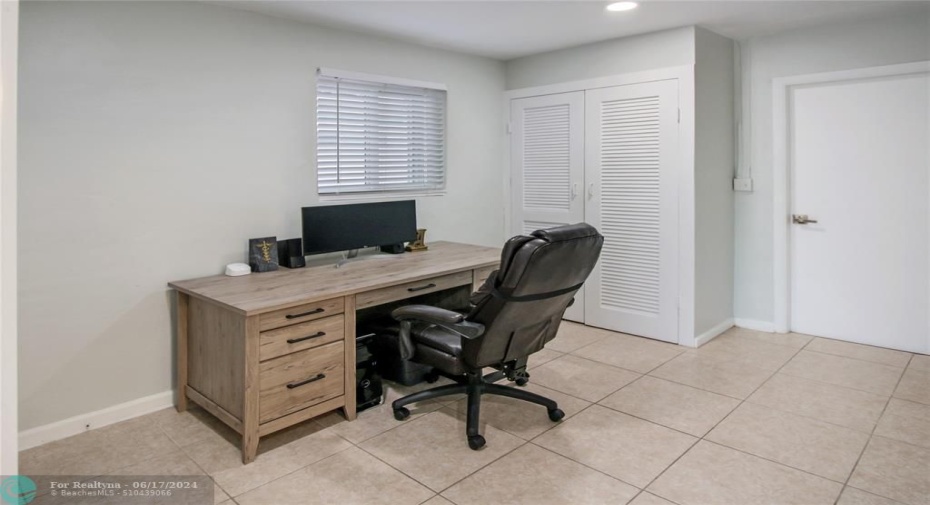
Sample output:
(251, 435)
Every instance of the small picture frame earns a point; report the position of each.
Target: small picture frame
(263, 254)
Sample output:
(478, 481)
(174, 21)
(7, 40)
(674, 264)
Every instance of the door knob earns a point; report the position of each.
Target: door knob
(801, 219)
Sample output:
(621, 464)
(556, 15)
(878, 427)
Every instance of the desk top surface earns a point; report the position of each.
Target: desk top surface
(262, 292)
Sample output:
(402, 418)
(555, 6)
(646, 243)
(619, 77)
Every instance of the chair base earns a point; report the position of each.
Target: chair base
(474, 385)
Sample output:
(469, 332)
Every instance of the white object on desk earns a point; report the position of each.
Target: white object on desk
(236, 269)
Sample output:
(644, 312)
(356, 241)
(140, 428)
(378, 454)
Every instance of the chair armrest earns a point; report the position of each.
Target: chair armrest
(428, 314)
(450, 320)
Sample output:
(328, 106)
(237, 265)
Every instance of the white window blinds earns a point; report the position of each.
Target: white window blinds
(379, 136)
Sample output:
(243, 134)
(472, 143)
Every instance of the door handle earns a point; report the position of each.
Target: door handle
(574, 191)
(590, 191)
(802, 219)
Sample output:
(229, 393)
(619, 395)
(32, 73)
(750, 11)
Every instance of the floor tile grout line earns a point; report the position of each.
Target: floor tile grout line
(679, 353)
(393, 427)
(589, 467)
(188, 456)
(859, 359)
(359, 447)
(599, 363)
(872, 436)
(670, 465)
(812, 418)
(522, 443)
(304, 467)
(779, 463)
(695, 387)
(742, 401)
(896, 502)
(703, 437)
(832, 384)
(649, 420)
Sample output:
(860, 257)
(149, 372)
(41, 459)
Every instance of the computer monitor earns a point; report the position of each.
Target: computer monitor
(331, 228)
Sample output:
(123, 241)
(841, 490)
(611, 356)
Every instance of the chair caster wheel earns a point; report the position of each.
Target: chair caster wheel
(556, 415)
(401, 413)
(431, 377)
(521, 381)
(476, 442)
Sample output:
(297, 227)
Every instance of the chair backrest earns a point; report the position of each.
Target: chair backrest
(537, 280)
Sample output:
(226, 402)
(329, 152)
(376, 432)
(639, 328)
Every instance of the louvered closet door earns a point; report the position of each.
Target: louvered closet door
(547, 177)
(631, 154)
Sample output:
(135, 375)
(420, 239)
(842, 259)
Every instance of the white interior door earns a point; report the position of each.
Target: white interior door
(547, 177)
(631, 159)
(860, 167)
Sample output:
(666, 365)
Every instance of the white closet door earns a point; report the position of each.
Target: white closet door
(547, 178)
(631, 156)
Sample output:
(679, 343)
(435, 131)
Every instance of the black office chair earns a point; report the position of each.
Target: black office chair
(513, 315)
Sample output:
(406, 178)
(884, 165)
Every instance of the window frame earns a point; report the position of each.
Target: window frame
(380, 194)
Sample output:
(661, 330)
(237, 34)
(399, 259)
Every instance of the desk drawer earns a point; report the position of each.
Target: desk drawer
(301, 313)
(299, 380)
(411, 289)
(298, 337)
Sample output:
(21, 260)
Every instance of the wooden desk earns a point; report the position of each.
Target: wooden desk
(268, 350)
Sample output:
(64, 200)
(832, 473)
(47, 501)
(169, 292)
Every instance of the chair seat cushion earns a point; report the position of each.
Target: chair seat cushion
(437, 347)
(436, 337)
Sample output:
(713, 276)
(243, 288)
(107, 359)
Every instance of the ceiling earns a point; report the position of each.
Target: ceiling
(505, 29)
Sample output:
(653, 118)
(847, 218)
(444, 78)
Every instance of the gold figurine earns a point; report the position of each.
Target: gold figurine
(420, 243)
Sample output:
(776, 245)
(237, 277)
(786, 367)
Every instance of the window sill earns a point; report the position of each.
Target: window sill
(383, 196)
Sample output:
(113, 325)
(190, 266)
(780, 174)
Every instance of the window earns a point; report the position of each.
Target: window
(379, 134)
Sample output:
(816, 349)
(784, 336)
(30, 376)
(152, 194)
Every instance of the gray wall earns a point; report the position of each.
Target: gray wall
(713, 180)
(155, 139)
(669, 48)
(807, 51)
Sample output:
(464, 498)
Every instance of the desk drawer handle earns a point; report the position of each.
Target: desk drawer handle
(308, 337)
(308, 381)
(421, 288)
(314, 311)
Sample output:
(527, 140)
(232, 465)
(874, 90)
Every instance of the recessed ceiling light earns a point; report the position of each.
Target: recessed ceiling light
(622, 6)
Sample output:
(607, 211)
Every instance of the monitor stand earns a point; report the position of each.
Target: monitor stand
(350, 255)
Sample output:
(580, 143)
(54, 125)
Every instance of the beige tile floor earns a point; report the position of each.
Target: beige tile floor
(751, 418)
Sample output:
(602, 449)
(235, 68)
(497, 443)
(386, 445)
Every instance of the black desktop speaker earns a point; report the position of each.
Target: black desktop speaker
(393, 248)
(291, 254)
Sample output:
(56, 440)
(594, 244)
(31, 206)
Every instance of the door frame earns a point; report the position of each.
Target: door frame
(686, 186)
(781, 88)
(9, 394)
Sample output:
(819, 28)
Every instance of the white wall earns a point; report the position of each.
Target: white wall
(9, 25)
(713, 186)
(669, 48)
(813, 50)
(156, 138)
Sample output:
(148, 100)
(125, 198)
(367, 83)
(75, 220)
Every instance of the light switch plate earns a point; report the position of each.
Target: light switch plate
(742, 184)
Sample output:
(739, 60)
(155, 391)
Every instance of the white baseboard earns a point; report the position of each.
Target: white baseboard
(78, 424)
(712, 333)
(752, 324)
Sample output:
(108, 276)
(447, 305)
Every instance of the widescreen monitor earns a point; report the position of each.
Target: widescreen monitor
(331, 228)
